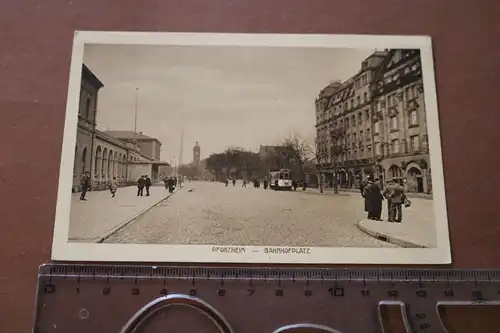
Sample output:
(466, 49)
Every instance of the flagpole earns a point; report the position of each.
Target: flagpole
(136, 103)
(181, 147)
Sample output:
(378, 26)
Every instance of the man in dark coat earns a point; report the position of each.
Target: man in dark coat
(84, 184)
(375, 199)
(141, 182)
(148, 184)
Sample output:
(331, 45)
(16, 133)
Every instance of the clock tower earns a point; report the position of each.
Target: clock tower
(196, 155)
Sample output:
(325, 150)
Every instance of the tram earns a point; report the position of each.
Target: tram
(280, 179)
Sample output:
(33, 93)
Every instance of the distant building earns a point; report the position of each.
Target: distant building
(148, 146)
(103, 155)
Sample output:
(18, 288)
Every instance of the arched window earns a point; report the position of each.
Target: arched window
(110, 164)
(84, 160)
(97, 162)
(115, 165)
(104, 163)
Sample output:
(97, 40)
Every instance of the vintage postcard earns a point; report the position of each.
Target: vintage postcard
(245, 148)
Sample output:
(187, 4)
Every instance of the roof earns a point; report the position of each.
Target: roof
(90, 76)
(130, 135)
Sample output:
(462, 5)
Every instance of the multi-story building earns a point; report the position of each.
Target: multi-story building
(148, 146)
(399, 122)
(375, 124)
(102, 154)
(343, 131)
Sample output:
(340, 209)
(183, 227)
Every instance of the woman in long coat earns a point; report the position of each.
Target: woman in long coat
(375, 198)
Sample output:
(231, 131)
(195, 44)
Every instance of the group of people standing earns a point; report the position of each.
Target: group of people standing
(171, 183)
(143, 182)
(373, 196)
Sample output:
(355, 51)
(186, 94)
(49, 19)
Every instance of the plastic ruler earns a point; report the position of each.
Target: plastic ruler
(106, 299)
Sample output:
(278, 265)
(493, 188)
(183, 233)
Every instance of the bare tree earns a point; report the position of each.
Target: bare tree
(297, 150)
(321, 157)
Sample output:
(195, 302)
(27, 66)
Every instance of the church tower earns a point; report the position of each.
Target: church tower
(196, 155)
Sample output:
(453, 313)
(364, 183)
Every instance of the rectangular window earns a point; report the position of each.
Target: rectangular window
(378, 150)
(413, 118)
(414, 143)
(394, 123)
(376, 127)
(395, 146)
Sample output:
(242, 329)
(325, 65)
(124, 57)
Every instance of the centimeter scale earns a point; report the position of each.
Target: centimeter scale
(126, 299)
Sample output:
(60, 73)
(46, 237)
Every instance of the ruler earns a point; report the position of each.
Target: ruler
(126, 299)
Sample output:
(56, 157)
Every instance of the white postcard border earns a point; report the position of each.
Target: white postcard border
(67, 251)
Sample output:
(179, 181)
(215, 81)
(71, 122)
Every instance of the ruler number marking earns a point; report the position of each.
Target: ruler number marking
(192, 292)
(250, 292)
(106, 291)
(221, 292)
(279, 293)
(308, 293)
(365, 293)
(49, 289)
(135, 291)
(336, 291)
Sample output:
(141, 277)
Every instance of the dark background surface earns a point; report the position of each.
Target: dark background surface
(35, 51)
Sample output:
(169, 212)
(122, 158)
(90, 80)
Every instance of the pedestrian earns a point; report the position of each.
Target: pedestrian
(375, 199)
(244, 183)
(165, 182)
(398, 197)
(365, 189)
(234, 182)
(140, 186)
(84, 184)
(147, 183)
(171, 185)
(388, 193)
(266, 184)
(227, 182)
(294, 185)
(113, 186)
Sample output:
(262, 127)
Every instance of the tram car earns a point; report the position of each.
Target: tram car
(280, 179)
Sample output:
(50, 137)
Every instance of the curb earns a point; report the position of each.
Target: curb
(123, 224)
(389, 239)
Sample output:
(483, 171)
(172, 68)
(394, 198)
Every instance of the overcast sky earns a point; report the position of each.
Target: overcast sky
(221, 96)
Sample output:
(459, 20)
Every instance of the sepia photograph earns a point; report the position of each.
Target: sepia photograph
(244, 148)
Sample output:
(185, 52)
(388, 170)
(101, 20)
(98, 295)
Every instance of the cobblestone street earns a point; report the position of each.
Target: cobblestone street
(209, 213)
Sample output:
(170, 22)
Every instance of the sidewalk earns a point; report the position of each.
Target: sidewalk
(100, 215)
(416, 230)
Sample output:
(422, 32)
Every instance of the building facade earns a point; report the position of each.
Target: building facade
(399, 122)
(374, 124)
(344, 136)
(103, 155)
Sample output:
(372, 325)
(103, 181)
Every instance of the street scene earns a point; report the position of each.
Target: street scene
(232, 146)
